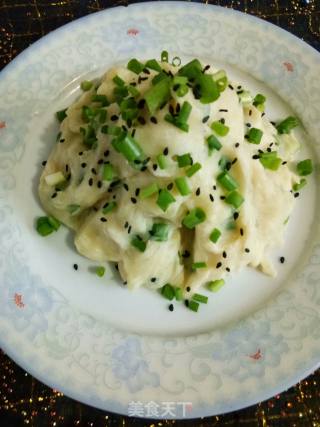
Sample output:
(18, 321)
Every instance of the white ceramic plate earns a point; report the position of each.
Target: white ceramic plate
(91, 338)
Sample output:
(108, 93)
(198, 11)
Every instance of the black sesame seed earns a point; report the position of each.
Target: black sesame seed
(133, 132)
(75, 266)
(137, 192)
(142, 79)
(153, 120)
(144, 168)
(248, 125)
(263, 114)
(102, 219)
(222, 121)
(296, 195)
(95, 208)
(211, 197)
(198, 191)
(146, 71)
(54, 195)
(170, 186)
(154, 167)
(239, 92)
(116, 266)
(236, 144)
(205, 119)
(133, 200)
(223, 110)
(94, 171)
(80, 153)
(126, 224)
(186, 254)
(114, 118)
(171, 110)
(234, 161)
(176, 87)
(241, 231)
(129, 229)
(228, 269)
(106, 153)
(125, 186)
(166, 151)
(239, 87)
(124, 128)
(247, 250)
(99, 184)
(137, 162)
(206, 68)
(219, 265)
(256, 157)
(282, 259)
(153, 279)
(186, 302)
(188, 289)
(62, 141)
(90, 182)
(230, 87)
(273, 123)
(100, 161)
(141, 103)
(224, 254)
(222, 197)
(284, 163)
(44, 163)
(269, 150)
(171, 308)
(214, 187)
(141, 120)
(125, 283)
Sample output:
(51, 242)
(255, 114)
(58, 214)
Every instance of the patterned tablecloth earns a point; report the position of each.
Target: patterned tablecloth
(24, 400)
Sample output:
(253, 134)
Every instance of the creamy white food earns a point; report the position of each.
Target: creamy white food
(73, 190)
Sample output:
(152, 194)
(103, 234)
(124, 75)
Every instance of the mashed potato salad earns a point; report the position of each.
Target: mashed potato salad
(174, 173)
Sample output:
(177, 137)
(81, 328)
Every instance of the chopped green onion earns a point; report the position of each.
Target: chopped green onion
(194, 217)
(55, 224)
(165, 198)
(46, 225)
(235, 199)
(102, 116)
(209, 90)
(88, 113)
(213, 144)
(221, 79)
(193, 169)
(100, 271)
(215, 285)
(135, 66)
(102, 99)
(168, 291)
(254, 136)
(138, 243)
(197, 265)
(164, 56)
(305, 167)
(219, 128)
(108, 172)
(173, 120)
(215, 235)
(153, 64)
(159, 232)
(162, 161)
(111, 130)
(176, 61)
(270, 160)
(128, 147)
(297, 186)
(61, 115)
(259, 100)
(158, 95)
(86, 85)
(73, 209)
(231, 225)
(184, 112)
(191, 69)
(286, 220)
(118, 81)
(148, 191)
(129, 109)
(179, 80)
(133, 91)
(227, 181)
(89, 136)
(161, 76)
(287, 125)
(183, 186)
(193, 305)
(245, 97)
(184, 160)
(200, 298)
(120, 92)
(182, 90)
(178, 294)
(109, 207)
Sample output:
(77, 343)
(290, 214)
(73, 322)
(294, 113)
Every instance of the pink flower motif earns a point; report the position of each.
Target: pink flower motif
(2, 125)
(257, 355)
(18, 300)
(132, 32)
(288, 66)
